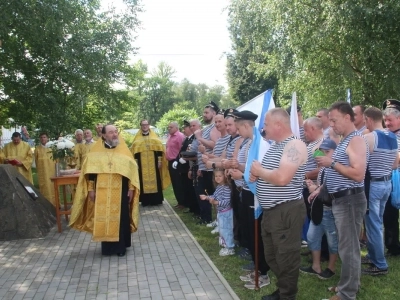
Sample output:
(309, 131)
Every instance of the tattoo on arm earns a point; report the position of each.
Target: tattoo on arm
(293, 155)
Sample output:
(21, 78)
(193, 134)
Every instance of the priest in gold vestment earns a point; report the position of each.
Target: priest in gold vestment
(149, 154)
(20, 152)
(45, 168)
(106, 202)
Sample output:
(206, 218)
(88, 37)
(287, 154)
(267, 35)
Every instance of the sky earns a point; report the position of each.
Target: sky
(189, 35)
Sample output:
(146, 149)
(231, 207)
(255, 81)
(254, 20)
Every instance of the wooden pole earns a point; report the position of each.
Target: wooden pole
(256, 254)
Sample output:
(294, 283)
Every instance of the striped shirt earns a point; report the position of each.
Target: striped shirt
(311, 162)
(385, 152)
(223, 195)
(270, 195)
(334, 180)
(221, 144)
(397, 134)
(361, 130)
(241, 158)
(326, 133)
(230, 147)
(302, 135)
(205, 135)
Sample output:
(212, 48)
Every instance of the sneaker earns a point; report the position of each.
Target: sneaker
(365, 261)
(226, 252)
(215, 230)
(326, 274)
(308, 271)
(249, 276)
(262, 281)
(212, 224)
(245, 254)
(373, 271)
(249, 267)
(304, 244)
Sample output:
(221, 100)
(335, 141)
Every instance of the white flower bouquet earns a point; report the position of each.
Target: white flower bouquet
(61, 149)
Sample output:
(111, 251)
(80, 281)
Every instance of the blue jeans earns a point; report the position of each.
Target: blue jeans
(378, 195)
(225, 227)
(327, 227)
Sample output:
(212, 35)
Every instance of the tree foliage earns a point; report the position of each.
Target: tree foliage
(321, 48)
(175, 115)
(60, 59)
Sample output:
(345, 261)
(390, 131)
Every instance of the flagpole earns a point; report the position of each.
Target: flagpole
(256, 254)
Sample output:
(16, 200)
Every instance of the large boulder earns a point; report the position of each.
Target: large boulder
(23, 214)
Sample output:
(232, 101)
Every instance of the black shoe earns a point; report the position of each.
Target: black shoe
(326, 274)
(201, 222)
(121, 254)
(373, 271)
(274, 296)
(249, 267)
(309, 271)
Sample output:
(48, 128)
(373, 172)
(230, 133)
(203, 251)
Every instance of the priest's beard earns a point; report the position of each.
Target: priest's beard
(113, 142)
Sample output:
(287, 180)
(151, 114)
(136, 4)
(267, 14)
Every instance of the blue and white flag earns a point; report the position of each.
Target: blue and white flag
(294, 118)
(349, 96)
(259, 105)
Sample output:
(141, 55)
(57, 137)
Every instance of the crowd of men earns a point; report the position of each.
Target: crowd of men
(344, 155)
(359, 152)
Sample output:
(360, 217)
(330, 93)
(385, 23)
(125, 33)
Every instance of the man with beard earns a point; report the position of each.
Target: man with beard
(205, 142)
(149, 154)
(106, 202)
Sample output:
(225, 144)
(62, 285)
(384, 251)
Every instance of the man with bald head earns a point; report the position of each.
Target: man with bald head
(173, 146)
(106, 202)
(314, 135)
(279, 190)
(83, 149)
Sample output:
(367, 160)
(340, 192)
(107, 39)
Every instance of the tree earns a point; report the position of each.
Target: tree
(175, 115)
(58, 57)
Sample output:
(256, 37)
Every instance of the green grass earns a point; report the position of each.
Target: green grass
(310, 287)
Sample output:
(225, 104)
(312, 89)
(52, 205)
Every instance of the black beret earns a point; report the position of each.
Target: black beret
(229, 112)
(245, 115)
(391, 103)
(289, 109)
(186, 123)
(213, 106)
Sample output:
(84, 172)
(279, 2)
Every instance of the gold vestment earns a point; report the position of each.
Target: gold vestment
(102, 217)
(23, 153)
(146, 146)
(45, 169)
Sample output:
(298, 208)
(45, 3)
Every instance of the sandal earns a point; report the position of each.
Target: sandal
(333, 289)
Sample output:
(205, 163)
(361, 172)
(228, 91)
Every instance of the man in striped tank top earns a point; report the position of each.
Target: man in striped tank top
(279, 190)
(391, 215)
(383, 158)
(206, 138)
(345, 173)
(359, 121)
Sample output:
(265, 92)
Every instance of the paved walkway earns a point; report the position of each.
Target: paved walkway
(165, 263)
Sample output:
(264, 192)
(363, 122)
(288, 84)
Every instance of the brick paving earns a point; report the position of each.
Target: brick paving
(164, 263)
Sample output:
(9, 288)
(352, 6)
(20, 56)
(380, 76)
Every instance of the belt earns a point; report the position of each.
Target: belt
(347, 192)
(384, 178)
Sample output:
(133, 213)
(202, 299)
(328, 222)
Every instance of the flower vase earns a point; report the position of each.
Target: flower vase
(61, 165)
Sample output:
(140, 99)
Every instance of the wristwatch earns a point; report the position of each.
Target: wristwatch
(333, 164)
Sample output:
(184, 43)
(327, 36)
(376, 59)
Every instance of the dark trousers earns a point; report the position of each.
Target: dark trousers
(391, 223)
(190, 199)
(235, 199)
(281, 234)
(248, 199)
(205, 183)
(176, 183)
(243, 221)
